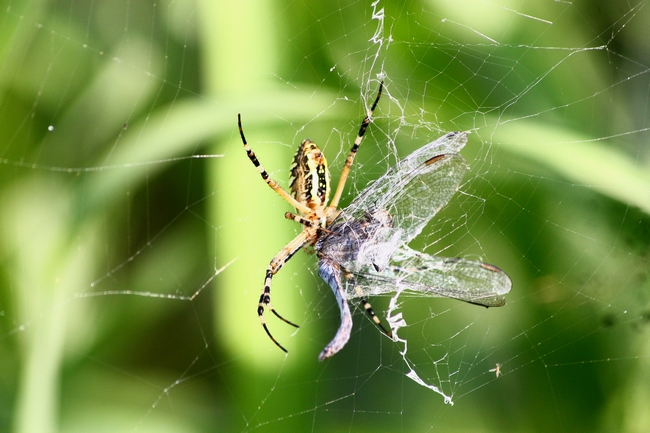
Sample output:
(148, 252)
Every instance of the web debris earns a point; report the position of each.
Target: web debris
(396, 321)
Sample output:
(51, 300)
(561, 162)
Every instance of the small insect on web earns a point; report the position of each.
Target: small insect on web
(496, 370)
(362, 249)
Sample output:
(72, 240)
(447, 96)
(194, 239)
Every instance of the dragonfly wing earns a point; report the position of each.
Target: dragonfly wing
(465, 280)
(417, 187)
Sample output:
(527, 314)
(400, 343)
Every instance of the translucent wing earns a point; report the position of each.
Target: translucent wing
(364, 253)
(416, 188)
(465, 280)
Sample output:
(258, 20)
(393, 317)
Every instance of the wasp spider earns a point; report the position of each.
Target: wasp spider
(310, 191)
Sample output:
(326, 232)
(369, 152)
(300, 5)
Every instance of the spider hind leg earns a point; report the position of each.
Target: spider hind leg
(276, 264)
(265, 301)
(371, 313)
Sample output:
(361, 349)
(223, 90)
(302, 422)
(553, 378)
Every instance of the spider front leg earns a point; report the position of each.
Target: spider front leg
(353, 152)
(269, 181)
(276, 264)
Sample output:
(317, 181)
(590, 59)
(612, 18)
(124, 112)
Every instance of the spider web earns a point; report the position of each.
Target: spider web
(135, 233)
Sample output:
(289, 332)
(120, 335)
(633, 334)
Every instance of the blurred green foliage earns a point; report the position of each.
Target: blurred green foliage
(130, 271)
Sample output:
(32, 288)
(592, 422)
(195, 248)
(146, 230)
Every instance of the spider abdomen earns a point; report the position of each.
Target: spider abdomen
(310, 176)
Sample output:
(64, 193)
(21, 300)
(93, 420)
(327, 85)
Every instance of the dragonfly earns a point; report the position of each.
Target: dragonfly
(364, 251)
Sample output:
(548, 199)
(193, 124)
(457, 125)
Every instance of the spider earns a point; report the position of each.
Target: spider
(310, 191)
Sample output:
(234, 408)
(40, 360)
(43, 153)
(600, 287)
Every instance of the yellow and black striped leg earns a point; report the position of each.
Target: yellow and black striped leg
(366, 306)
(297, 218)
(276, 264)
(353, 152)
(305, 222)
(265, 300)
(270, 182)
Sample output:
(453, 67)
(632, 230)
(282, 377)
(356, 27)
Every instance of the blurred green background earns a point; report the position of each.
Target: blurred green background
(134, 232)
